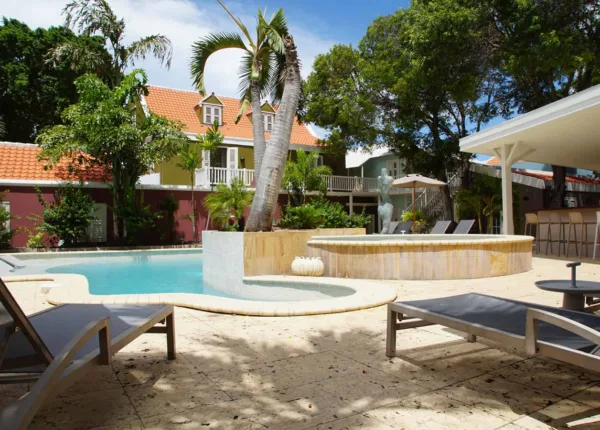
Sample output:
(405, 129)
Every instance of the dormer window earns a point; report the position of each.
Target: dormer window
(212, 114)
(269, 120)
(212, 110)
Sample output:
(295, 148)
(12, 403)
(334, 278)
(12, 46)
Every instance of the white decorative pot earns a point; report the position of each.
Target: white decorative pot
(304, 266)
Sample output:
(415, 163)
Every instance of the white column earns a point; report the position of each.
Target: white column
(351, 204)
(507, 192)
(378, 217)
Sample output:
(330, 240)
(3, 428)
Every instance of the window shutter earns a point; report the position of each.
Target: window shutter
(232, 162)
(205, 159)
(208, 115)
(217, 115)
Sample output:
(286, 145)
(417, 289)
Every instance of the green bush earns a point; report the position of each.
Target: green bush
(226, 202)
(420, 218)
(68, 216)
(6, 234)
(167, 207)
(138, 218)
(321, 213)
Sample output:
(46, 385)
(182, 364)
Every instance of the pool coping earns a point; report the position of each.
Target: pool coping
(74, 289)
(435, 239)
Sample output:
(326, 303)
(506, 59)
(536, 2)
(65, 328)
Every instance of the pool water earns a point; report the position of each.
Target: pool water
(142, 274)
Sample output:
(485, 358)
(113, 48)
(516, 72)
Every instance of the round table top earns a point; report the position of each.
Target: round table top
(564, 286)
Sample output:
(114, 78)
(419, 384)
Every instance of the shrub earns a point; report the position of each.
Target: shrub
(167, 207)
(6, 234)
(321, 213)
(420, 218)
(138, 218)
(68, 216)
(226, 202)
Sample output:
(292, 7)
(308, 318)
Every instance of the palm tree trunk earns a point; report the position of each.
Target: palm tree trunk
(258, 128)
(194, 226)
(273, 163)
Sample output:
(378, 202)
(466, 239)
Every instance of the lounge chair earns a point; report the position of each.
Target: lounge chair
(56, 347)
(569, 336)
(393, 225)
(12, 261)
(440, 227)
(404, 226)
(464, 226)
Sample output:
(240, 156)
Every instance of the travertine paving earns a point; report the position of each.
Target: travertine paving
(329, 372)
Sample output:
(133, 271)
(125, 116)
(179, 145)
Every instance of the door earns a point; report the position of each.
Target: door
(97, 229)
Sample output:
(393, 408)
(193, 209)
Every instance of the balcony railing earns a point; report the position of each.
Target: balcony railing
(221, 175)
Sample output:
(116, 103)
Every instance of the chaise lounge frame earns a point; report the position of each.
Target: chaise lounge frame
(61, 371)
(403, 316)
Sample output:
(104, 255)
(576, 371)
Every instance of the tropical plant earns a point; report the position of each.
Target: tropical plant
(419, 217)
(168, 207)
(261, 70)
(35, 238)
(227, 202)
(34, 93)
(95, 17)
(68, 217)
(138, 217)
(321, 213)
(103, 130)
(6, 233)
(304, 175)
(191, 159)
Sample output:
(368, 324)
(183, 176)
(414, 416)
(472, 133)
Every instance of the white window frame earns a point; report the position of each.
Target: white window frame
(266, 116)
(394, 172)
(216, 112)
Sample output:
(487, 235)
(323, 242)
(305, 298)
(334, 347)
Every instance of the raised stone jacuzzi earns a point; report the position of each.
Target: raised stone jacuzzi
(421, 256)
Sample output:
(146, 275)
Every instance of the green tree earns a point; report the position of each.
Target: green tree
(261, 70)
(419, 80)
(228, 201)
(33, 92)
(191, 159)
(68, 217)
(95, 17)
(102, 129)
(546, 50)
(304, 175)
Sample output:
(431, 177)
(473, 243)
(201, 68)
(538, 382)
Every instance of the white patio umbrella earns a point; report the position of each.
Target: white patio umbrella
(416, 181)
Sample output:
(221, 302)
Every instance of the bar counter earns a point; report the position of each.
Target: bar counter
(561, 215)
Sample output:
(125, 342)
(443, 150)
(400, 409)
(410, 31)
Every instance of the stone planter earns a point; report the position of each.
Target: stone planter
(304, 266)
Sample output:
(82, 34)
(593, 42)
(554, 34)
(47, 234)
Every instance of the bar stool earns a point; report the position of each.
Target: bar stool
(554, 218)
(596, 234)
(575, 219)
(531, 220)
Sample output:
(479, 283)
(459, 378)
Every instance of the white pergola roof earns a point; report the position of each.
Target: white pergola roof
(358, 157)
(563, 133)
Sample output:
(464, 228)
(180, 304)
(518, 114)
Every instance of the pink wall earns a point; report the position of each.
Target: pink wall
(23, 203)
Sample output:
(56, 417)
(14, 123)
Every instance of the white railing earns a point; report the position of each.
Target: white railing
(223, 175)
(429, 195)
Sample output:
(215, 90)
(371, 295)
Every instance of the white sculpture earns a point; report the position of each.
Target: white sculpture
(304, 266)
(386, 208)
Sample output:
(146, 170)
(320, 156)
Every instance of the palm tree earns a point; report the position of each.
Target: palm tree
(305, 174)
(228, 201)
(261, 70)
(191, 160)
(273, 165)
(92, 17)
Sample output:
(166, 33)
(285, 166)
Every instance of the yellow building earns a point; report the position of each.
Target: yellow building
(235, 158)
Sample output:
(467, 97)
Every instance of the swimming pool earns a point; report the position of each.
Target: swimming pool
(152, 272)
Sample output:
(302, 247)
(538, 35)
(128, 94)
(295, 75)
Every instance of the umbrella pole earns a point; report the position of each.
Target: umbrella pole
(414, 206)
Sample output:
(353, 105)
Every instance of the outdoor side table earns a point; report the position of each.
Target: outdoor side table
(573, 296)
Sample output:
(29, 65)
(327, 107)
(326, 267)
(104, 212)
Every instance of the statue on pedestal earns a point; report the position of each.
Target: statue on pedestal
(385, 208)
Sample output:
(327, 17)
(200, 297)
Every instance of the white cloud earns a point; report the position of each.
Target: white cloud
(184, 22)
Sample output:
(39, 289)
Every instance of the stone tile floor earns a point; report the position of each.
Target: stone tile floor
(329, 372)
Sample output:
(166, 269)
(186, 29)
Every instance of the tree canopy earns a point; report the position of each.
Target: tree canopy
(105, 127)
(35, 92)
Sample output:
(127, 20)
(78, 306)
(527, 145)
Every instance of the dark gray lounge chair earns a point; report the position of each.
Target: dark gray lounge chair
(393, 225)
(569, 336)
(56, 347)
(440, 227)
(404, 226)
(464, 226)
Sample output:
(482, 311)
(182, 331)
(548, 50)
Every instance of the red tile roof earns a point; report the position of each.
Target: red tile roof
(20, 161)
(181, 105)
(547, 176)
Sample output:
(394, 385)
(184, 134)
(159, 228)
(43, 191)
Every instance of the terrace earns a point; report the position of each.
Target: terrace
(329, 372)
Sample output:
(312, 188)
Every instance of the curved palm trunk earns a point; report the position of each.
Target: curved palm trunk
(273, 163)
(194, 225)
(258, 128)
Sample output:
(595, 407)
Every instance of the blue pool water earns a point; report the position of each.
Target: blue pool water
(142, 274)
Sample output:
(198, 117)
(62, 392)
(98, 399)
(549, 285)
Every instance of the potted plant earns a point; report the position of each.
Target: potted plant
(419, 218)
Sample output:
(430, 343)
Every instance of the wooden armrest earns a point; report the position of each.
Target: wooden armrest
(42, 388)
(531, 328)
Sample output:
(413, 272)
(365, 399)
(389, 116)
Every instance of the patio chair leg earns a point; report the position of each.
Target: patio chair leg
(390, 341)
(171, 336)
(471, 338)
